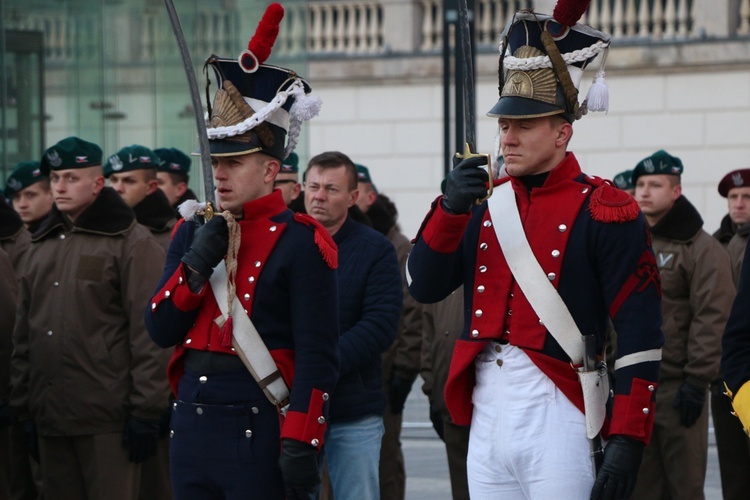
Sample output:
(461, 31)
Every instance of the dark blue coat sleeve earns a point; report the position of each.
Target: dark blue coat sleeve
(735, 361)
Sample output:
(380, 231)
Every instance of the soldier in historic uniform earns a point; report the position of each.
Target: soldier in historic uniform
(84, 372)
(173, 175)
(132, 173)
(235, 436)
(512, 375)
(697, 292)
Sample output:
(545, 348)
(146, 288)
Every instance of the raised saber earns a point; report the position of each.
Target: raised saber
(208, 176)
(468, 94)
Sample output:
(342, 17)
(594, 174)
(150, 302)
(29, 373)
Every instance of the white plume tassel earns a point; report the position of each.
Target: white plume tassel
(189, 208)
(597, 98)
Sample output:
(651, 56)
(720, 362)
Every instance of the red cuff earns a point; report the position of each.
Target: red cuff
(443, 232)
(178, 291)
(633, 414)
(307, 427)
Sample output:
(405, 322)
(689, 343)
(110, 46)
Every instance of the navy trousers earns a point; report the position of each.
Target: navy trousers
(225, 439)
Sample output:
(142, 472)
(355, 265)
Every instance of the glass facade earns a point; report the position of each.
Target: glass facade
(110, 71)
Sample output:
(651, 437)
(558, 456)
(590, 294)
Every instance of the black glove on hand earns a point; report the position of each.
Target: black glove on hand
(209, 246)
(140, 437)
(616, 478)
(690, 401)
(28, 427)
(436, 417)
(299, 468)
(465, 184)
(398, 391)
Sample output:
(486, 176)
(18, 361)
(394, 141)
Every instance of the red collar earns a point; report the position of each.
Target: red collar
(264, 207)
(568, 169)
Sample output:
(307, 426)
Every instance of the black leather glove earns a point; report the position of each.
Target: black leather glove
(140, 438)
(436, 417)
(299, 468)
(690, 401)
(465, 184)
(209, 246)
(398, 391)
(616, 477)
(28, 428)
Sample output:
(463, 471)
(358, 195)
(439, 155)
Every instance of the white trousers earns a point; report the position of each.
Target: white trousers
(527, 440)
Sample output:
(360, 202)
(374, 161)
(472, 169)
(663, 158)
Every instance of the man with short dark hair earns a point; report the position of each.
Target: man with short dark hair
(30, 193)
(697, 293)
(370, 301)
(84, 375)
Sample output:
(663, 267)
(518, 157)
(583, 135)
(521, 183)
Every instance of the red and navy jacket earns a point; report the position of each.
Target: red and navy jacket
(286, 280)
(735, 360)
(592, 242)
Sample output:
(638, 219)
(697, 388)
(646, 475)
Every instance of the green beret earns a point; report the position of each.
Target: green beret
(71, 153)
(659, 163)
(173, 161)
(130, 158)
(290, 165)
(24, 175)
(363, 175)
(624, 180)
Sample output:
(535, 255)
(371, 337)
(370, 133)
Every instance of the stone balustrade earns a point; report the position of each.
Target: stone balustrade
(376, 27)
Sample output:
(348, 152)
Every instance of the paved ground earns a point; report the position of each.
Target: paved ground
(427, 467)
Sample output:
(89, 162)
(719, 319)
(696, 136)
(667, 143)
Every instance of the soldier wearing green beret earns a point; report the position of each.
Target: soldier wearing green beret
(132, 173)
(29, 191)
(368, 193)
(624, 181)
(87, 384)
(173, 175)
(287, 180)
(697, 293)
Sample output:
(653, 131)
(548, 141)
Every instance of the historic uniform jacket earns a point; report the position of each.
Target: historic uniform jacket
(697, 295)
(592, 243)
(287, 283)
(83, 361)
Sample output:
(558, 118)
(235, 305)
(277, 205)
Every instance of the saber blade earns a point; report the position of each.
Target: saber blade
(208, 179)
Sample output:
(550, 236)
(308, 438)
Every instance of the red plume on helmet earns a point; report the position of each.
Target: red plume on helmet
(260, 45)
(568, 12)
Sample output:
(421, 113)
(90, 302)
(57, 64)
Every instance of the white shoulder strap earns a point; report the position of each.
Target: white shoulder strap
(537, 288)
(248, 344)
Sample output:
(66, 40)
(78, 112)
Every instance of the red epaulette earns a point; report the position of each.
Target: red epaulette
(326, 245)
(610, 204)
(176, 227)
